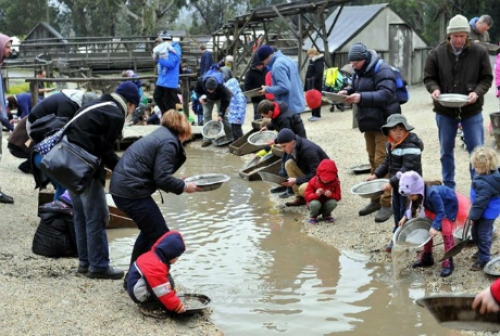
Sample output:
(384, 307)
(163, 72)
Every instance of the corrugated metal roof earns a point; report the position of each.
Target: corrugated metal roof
(351, 20)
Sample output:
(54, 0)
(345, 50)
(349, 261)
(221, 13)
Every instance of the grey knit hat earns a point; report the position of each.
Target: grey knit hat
(393, 121)
(358, 52)
(458, 24)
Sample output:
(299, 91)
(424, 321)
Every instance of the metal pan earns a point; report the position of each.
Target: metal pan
(460, 246)
(194, 303)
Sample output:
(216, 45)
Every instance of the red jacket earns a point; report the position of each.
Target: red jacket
(268, 80)
(326, 171)
(495, 290)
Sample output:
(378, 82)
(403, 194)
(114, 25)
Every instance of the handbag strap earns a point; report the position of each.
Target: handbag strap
(91, 107)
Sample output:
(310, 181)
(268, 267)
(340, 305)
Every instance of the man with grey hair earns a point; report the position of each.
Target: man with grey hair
(479, 27)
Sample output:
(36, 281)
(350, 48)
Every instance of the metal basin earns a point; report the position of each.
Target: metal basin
(212, 130)
(457, 233)
(455, 311)
(208, 182)
(414, 232)
(369, 189)
(194, 303)
(261, 138)
(453, 99)
(493, 267)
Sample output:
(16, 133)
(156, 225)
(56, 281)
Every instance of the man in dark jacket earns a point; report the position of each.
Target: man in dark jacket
(206, 59)
(305, 157)
(314, 78)
(211, 93)
(254, 79)
(460, 66)
(374, 93)
(97, 131)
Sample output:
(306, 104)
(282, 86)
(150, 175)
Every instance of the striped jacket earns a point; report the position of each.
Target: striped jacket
(404, 157)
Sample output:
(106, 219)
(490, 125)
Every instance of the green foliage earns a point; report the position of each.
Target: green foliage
(18, 88)
(19, 17)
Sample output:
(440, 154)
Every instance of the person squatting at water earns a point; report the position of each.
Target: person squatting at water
(323, 192)
(97, 131)
(280, 117)
(404, 153)
(374, 94)
(488, 300)
(5, 51)
(304, 157)
(149, 283)
(446, 208)
(146, 166)
(485, 198)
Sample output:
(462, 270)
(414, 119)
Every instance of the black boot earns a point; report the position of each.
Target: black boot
(6, 199)
(447, 268)
(426, 260)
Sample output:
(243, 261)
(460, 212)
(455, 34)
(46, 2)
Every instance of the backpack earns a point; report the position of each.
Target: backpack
(214, 72)
(402, 91)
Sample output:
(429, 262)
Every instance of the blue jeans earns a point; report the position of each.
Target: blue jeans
(398, 208)
(481, 231)
(60, 189)
(91, 216)
(149, 219)
(473, 133)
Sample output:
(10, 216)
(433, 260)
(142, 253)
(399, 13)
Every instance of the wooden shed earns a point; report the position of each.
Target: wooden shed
(380, 29)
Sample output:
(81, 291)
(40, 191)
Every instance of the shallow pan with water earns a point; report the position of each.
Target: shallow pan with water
(414, 233)
(453, 99)
(194, 303)
(253, 93)
(270, 177)
(455, 311)
(208, 182)
(493, 267)
(261, 138)
(369, 189)
(212, 130)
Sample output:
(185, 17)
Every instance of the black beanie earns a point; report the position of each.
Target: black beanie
(285, 135)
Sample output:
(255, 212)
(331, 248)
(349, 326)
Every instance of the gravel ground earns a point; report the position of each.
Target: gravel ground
(42, 296)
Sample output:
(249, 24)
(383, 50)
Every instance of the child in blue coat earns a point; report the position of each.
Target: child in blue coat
(485, 197)
(446, 208)
(237, 108)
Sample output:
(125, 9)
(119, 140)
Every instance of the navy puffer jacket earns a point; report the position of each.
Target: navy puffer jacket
(378, 94)
(149, 164)
(308, 156)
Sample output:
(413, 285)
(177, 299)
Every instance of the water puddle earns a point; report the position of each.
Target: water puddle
(265, 277)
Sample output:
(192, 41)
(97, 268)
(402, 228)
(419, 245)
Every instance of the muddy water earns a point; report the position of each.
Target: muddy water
(265, 277)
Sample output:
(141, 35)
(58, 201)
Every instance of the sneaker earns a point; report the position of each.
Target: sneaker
(314, 118)
(329, 219)
(6, 199)
(110, 273)
(287, 194)
(372, 207)
(313, 221)
(277, 190)
(206, 143)
(82, 269)
(383, 214)
(299, 201)
(478, 266)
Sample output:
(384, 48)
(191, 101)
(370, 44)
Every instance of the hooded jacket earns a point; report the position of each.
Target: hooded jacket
(284, 118)
(485, 196)
(495, 291)
(149, 275)
(474, 35)
(468, 72)
(497, 74)
(4, 39)
(149, 164)
(378, 94)
(286, 83)
(326, 171)
(168, 69)
(238, 103)
(404, 157)
(308, 156)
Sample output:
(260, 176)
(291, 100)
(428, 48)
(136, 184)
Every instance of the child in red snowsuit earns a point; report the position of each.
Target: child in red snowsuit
(323, 192)
(488, 301)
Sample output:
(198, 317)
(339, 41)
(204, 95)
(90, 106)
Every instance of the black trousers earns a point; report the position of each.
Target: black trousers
(165, 98)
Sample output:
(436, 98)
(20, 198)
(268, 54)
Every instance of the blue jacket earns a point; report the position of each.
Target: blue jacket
(206, 61)
(24, 104)
(287, 85)
(443, 202)
(238, 103)
(168, 69)
(485, 196)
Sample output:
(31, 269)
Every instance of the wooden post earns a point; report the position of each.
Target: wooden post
(6, 84)
(34, 93)
(185, 95)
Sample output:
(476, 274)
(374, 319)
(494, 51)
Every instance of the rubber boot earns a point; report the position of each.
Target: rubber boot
(426, 259)
(447, 264)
